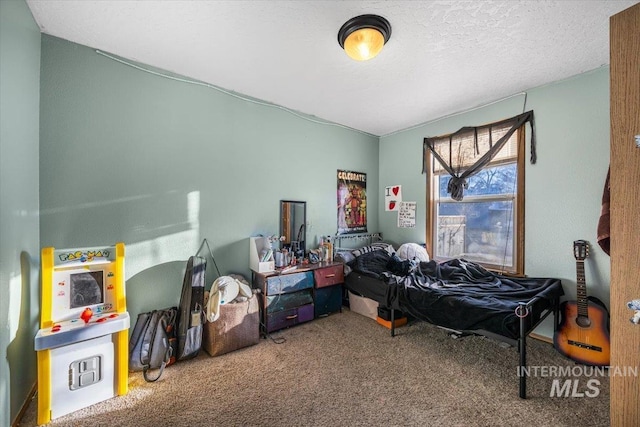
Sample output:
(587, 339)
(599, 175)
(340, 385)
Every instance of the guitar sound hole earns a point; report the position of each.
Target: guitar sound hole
(583, 322)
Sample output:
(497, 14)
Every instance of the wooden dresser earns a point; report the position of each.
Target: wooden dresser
(300, 295)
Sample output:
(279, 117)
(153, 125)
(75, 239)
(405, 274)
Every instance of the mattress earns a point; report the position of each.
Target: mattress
(366, 286)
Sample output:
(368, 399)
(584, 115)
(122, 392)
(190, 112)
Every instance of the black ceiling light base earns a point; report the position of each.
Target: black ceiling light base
(364, 21)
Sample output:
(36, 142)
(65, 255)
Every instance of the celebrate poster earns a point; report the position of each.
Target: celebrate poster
(352, 202)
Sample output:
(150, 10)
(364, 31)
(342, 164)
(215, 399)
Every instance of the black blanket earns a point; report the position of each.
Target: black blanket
(459, 294)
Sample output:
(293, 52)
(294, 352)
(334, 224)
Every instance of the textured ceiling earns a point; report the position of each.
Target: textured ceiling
(443, 56)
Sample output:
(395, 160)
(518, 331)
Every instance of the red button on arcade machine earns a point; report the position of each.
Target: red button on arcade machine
(86, 315)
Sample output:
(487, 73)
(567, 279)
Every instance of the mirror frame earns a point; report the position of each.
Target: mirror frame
(283, 217)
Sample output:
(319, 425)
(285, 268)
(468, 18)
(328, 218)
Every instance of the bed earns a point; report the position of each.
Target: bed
(457, 295)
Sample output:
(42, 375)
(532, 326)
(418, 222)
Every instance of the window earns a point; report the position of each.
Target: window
(484, 223)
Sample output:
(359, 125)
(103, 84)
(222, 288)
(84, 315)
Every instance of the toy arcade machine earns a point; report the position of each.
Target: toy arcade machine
(83, 341)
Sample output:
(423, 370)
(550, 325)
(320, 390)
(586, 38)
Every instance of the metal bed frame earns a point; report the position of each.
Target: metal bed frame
(522, 311)
(339, 239)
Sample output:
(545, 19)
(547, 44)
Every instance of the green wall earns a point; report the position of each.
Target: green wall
(160, 164)
(563, 189)
(19, 222)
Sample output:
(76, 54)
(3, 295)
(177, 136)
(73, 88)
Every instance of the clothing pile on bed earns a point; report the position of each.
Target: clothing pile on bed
(455, 294)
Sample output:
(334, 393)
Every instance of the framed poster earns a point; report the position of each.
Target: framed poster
(352, 202)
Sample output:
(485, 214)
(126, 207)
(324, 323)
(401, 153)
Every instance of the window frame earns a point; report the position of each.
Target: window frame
(519, 201)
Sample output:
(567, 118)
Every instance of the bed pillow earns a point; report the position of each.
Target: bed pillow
(413, 251)
(344, 257)
(377, 246)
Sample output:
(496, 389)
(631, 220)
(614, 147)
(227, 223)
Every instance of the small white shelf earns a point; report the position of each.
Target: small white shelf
(257, 246)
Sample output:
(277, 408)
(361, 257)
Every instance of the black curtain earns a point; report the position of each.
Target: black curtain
(461, 170)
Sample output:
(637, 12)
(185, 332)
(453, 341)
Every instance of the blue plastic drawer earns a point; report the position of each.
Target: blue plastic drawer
(285, 283)
(280, 302)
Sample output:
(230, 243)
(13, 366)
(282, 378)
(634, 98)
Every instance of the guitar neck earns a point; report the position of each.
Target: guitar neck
(581, 294)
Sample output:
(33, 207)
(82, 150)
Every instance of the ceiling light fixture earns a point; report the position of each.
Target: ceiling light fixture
(363, 37)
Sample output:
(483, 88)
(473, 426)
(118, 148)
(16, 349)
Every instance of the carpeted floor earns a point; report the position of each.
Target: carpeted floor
(346, 370)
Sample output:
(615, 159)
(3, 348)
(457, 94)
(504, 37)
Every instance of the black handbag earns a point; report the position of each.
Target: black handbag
(153, 343)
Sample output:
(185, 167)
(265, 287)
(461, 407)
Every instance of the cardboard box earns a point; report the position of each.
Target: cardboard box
(387, 323)
(364, 306)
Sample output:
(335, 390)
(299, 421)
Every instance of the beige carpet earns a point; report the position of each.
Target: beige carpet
(346, 370)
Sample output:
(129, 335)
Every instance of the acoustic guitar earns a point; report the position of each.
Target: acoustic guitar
(583, 333)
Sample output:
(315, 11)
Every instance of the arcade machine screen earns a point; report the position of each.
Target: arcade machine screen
(87, 288)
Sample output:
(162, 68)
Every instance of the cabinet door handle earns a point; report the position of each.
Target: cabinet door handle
(330, 275)
(291, 317)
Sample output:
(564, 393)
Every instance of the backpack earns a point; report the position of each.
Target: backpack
(153, 342)
(191, 309)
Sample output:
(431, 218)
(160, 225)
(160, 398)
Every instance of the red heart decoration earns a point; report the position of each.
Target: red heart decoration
(392, 205)
(395, 190)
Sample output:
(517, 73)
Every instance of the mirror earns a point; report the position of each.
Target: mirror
(293, 217)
